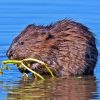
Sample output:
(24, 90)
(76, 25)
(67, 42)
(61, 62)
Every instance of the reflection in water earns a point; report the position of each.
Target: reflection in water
(57, 89)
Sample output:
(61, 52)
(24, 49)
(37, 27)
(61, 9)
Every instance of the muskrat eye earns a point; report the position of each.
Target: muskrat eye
(21, 43)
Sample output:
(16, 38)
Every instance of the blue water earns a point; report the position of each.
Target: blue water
(16, 15)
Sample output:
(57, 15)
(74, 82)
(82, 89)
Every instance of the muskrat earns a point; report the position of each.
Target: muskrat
(67, 47)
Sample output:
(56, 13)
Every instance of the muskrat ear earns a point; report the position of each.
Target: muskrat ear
(49, 36)
(30, 28)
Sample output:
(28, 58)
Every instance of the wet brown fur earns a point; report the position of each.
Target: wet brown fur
(68, 47)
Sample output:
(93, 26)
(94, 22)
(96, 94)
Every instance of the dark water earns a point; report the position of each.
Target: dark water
(15, 15)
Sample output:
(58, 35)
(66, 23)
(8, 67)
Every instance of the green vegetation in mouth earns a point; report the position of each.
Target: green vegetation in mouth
(1, 71)
(21, 64)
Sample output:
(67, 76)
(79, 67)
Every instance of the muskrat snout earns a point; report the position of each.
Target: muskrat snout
(11, 54)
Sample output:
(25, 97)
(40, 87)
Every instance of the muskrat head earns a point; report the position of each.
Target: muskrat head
(27, 43)
(33, 42)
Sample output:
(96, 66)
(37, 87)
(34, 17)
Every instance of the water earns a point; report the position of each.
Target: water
(15, 16)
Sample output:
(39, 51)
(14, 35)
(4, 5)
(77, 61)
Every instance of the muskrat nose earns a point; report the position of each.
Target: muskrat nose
(10, 53)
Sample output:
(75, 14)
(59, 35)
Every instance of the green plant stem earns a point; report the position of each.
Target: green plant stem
(21, 63)
(35, 73)
(11, 62)
(41, 62)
